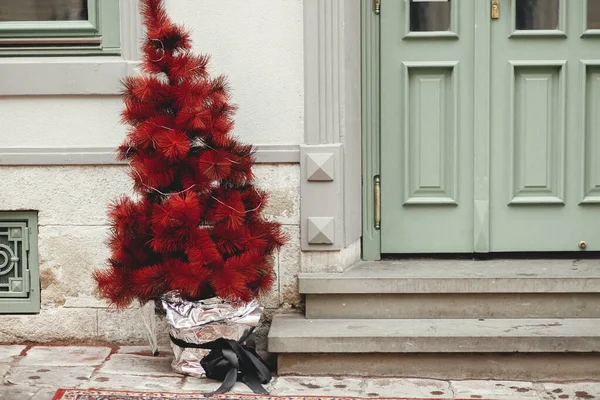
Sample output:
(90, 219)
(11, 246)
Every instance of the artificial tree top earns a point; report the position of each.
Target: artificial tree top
(195, 225)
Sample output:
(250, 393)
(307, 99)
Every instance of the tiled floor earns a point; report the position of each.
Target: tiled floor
(36, 372)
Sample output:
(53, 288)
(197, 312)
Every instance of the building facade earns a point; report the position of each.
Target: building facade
(384, 129)
(61, 124)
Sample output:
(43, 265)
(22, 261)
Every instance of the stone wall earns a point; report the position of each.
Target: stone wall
(72, 203)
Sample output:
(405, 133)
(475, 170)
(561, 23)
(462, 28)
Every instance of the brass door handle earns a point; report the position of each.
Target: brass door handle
(495, 9)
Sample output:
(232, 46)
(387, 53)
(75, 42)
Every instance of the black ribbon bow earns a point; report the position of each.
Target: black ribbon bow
(230, 361)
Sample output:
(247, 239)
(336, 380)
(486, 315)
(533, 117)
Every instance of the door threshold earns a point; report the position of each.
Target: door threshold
(430, 276)
(558, 255)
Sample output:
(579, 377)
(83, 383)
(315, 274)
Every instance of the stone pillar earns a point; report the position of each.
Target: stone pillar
(330, 159)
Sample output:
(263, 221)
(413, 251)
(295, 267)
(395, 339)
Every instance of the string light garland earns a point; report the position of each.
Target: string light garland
(190, 188)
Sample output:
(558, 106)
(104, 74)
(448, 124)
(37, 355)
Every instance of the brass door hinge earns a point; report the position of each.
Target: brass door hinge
(377, 202)
(377, 6)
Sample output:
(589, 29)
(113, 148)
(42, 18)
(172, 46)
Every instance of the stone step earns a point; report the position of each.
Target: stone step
(456, 289)
(296, 334)
(537, 367)
(450, 348)
(458, 276)
(476, 305)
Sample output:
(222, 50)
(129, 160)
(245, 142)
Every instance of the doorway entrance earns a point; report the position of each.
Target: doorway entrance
(490, 126)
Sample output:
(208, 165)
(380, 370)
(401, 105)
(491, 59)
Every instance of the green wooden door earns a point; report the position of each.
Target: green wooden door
(490, 129)
(427, 87)
(545, 126)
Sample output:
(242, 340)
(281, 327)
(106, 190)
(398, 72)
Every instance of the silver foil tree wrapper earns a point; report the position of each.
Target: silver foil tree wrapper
(204, 321)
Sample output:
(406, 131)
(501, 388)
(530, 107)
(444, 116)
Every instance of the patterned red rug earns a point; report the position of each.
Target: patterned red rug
(94, 394)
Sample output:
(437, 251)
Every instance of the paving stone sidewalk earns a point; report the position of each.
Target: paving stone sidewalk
(35, 372)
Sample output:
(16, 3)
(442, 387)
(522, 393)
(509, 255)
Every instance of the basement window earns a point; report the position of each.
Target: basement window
(19, 268)
(59, 27)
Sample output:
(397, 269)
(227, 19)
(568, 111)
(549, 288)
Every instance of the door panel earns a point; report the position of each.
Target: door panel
(427, 126)
(542, 161)
(544, 127)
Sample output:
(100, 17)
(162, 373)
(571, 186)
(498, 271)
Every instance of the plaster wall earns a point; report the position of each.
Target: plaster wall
(61, 121)
(257, 44)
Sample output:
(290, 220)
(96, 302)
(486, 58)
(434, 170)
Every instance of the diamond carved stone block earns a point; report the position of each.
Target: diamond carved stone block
(320, 166)
(321, 230)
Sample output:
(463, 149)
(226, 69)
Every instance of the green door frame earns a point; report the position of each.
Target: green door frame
(371, 237)
(371, 159)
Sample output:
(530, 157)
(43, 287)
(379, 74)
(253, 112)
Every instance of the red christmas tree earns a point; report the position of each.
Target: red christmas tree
(196, 224)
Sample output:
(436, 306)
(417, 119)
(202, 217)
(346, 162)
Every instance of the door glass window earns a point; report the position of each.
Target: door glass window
(537, 14)
(593, 14)
(43, 10)
(430, 16)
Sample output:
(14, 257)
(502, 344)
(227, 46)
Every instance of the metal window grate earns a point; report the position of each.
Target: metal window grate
(14, 266)
(19, 275)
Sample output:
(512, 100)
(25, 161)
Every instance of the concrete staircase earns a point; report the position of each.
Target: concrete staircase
(460, 319)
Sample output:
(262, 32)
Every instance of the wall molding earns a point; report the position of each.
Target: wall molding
(323, 71)
(332, 118)
(66, 76)
(57, 156)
